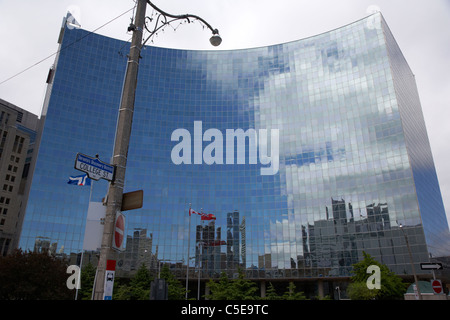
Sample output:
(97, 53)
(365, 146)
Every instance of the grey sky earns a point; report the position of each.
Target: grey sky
(29, 30)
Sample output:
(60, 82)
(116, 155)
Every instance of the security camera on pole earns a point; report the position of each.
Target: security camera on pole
(123, 133)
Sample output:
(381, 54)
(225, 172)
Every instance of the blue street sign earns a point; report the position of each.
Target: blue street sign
(94, 168)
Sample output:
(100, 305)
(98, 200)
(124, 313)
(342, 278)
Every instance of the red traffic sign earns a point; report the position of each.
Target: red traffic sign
(119, 231)
(437, 286)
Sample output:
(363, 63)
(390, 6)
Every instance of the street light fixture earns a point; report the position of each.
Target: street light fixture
(215, 40)
(123, 131)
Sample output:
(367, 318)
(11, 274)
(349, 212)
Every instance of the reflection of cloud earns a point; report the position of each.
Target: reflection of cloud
(284, 246)
(440, 247)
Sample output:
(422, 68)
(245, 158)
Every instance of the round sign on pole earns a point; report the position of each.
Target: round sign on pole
(437, 286)
(119, 231)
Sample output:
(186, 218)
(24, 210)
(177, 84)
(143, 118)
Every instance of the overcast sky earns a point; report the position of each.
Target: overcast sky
(29, 30)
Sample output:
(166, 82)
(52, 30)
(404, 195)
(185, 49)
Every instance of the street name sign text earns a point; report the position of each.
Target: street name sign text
(94, 168)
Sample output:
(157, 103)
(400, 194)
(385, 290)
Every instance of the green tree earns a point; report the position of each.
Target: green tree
(392, 286)
(176, 290)
(290, 294)
(359, 291)
(122, 289)
(33, 276)
(243, 289)
(237, 289)
(87, 282)
(138, 288)
(140, 284)
(219, 290)
(271, 293)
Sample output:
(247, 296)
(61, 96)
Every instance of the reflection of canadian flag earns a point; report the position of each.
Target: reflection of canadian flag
(205, 216)
(192, 211)
(208, 216)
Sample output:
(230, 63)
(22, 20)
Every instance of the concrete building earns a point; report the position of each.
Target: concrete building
(18, 132)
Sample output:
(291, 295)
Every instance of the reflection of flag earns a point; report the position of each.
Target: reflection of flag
(208, 216)
(214, 243)
(81, 180)
(192, 211)
(205, 216)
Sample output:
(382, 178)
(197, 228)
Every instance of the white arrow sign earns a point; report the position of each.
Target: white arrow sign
(431, 266)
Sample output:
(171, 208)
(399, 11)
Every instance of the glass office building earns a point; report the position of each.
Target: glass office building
(307, 153)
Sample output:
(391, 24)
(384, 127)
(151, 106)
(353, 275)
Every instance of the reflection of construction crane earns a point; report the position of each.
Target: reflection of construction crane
(214, 243)
(243, 241)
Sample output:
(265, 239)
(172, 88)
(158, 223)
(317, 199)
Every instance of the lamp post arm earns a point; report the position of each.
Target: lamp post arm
(165, 22)
(183, 16)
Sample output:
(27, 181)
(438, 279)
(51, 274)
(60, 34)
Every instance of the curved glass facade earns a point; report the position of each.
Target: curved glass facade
(335, 159)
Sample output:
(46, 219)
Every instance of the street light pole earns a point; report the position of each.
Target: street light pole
(120, 153)
(123, 130)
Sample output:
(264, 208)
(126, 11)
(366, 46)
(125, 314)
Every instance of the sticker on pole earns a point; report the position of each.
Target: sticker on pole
(119, 231)
(109, 279)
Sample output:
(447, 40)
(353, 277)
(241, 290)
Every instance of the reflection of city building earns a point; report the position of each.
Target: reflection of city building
(233, 240)
(44, 245)
(208, 255)
(138, 251)
(354, 159)
(265, 261)
(378, 216)
(333, 245)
